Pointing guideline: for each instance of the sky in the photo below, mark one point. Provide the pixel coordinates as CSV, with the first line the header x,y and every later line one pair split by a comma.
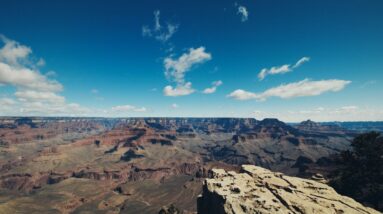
x,y
286,59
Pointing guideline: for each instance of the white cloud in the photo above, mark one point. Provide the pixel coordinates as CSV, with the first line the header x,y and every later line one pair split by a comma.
x,y
240,94
320,109
320,114
26,78
94,91
170,31
50,74
45,109
297,89
158,31
128,108
12,52
274,70
301,61
174,106
146,31
281,69
214,87
349,108
180,90
7,101
35,96
243,12
175,70
157,25
7,106
14,69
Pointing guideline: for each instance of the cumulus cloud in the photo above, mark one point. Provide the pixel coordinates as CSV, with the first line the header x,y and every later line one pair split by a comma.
x,y
158,32
128,108
302,88
179,90
12,52
24,77
242,11
214,87
240,94
281,69
36,93
15,69
175,70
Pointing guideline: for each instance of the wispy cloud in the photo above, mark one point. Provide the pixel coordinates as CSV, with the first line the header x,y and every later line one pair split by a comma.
x,y
128,108
214,87
321,114
158,32
301,61
242,11
297,89
174,106
368,83
175,70
41,62
281,69
157,25
274,70
349,108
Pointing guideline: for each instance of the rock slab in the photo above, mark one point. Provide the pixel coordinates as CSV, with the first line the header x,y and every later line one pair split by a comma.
x,y
258,190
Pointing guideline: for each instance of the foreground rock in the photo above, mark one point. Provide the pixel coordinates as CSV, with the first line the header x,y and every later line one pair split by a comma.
x,y
258,190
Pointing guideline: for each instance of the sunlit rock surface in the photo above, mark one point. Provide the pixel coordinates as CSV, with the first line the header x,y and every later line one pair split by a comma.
x,y
258,190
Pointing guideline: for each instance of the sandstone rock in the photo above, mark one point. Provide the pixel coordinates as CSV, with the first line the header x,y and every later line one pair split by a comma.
x,y
258,190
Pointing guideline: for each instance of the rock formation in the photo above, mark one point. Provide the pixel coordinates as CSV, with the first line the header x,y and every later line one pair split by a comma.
x,y
137,165
258,190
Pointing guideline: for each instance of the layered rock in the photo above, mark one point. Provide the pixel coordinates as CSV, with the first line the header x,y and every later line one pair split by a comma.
x,y
258,190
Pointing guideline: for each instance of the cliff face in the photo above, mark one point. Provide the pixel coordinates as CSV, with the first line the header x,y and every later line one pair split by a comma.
x,y
258,190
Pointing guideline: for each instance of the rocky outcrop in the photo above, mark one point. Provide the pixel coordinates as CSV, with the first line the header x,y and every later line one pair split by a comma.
x,y
258,190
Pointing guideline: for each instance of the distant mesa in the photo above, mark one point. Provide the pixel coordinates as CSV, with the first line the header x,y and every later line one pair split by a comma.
x,y
271,122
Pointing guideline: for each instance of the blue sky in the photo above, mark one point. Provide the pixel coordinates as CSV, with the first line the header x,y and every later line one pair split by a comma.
x,y
193,58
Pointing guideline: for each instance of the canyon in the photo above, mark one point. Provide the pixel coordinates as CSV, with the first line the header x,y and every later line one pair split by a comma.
x,y
138,165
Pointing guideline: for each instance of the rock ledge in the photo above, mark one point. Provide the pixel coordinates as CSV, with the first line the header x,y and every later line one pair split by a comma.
x,y
258,190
